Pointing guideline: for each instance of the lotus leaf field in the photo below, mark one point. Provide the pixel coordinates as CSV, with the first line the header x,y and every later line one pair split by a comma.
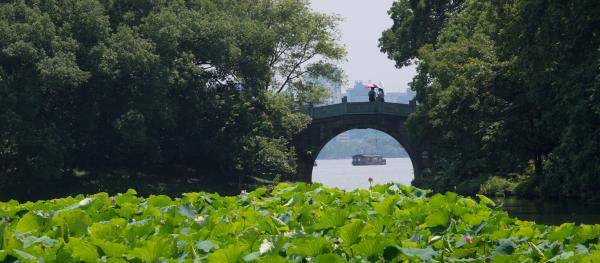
x,y
289,223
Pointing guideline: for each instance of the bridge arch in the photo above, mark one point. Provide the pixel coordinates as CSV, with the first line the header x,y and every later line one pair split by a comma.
x,y
332,120
372,142
396,136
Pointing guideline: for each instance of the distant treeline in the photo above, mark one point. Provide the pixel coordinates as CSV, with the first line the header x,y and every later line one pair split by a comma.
x,y
507,88
362,142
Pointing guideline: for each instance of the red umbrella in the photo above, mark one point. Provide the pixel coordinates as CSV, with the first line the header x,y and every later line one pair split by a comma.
x,y
370,85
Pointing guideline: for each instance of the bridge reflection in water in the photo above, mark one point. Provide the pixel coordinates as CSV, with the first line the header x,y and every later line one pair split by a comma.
x,y
330,120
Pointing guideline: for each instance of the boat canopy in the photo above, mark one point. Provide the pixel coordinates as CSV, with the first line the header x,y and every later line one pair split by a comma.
x,y
366,156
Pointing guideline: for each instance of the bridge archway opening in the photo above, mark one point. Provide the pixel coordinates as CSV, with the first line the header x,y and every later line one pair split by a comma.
x,y
334,166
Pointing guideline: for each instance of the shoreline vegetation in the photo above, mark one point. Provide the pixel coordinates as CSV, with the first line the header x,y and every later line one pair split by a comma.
x,y
287,222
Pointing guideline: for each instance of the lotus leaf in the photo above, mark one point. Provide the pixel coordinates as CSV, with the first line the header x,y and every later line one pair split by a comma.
x,y
293,222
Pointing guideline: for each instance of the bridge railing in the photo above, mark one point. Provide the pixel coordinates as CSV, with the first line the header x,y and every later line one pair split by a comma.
x,y
357,108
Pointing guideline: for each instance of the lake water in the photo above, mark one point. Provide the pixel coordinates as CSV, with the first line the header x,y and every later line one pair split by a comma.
x,y
342,174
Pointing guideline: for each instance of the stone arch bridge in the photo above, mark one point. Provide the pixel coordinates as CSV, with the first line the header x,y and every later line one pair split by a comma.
x,y
331,120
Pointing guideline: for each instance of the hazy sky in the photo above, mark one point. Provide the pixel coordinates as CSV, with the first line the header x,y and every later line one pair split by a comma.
x,y
362,26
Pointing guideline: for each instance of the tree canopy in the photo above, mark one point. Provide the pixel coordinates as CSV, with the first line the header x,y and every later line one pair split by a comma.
x,y
504,87
96,87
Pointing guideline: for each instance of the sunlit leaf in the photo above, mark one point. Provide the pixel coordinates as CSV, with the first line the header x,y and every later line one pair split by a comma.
x,y
437,218
350,232
82,250
153,250
231,254
329,258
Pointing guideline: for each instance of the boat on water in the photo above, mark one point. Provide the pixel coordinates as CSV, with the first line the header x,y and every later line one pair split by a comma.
x,y
363,159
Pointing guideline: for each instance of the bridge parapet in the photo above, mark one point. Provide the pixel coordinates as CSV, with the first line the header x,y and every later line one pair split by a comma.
x,y
358,108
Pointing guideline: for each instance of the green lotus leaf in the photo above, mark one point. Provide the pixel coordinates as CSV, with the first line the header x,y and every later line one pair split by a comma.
x,y
477,218
188,211
526,230
424,254
108,248
76,220
127,210
206,245
486,201
438,218
127,198
273,259
251,257
82,250
329,258
108,230
368,247
350,233
138,229
562,257
159,200
34,240
309,247
230,254
3,226
292,223
387,206
331,218
32,222
153,250
562,232
588,232
505,247
24,256
592,257
438,200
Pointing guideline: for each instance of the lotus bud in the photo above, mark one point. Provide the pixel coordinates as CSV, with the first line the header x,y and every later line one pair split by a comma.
x,y
467,239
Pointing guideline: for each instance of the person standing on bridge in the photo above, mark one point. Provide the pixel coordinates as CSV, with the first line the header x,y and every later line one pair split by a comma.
x,y
380,95
372,94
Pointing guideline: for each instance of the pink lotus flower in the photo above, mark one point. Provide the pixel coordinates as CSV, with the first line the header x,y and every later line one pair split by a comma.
x,y
467,239
113,201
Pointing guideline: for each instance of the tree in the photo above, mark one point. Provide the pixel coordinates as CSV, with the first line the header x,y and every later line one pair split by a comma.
x,y
504,87
306,44
152,90
558,49
416,23
462,107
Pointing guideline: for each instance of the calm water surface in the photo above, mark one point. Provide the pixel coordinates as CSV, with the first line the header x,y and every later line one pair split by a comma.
x,y
554,212
341,174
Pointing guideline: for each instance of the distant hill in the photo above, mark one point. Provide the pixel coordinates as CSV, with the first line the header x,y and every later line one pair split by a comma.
x,y
363,141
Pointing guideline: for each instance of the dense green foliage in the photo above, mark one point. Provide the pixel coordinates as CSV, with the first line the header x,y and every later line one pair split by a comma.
x,y
291,223
100,91
504,87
